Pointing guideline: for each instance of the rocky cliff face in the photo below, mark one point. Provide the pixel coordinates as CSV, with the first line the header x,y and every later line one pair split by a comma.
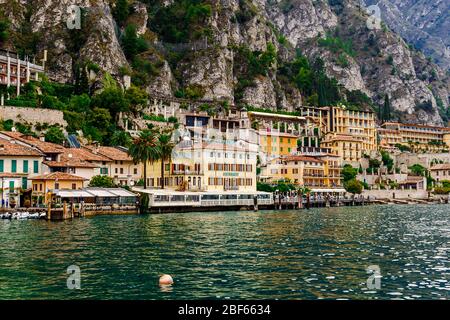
x,y
423,23
219,65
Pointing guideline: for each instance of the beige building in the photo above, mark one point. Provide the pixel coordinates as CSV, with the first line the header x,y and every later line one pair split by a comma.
x,y
415,136
348,148
45,185
207,167
20,160
348,133
358,124
323,172
121,166
440,172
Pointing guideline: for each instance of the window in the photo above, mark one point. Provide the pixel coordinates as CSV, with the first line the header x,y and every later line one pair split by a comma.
x,y
35,166
57,186
11,186
24,183
121,170
2,166
40,186
74,186
135,171
13,165
104,171
116,170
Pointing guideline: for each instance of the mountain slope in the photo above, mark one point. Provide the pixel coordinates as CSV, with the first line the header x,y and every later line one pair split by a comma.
x,y
241,51
423,23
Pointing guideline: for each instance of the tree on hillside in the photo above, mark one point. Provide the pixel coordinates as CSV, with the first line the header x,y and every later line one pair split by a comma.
x,y
121,138
386,109
54,135
349,173
121,12
165,146
387,160
112,99
132,44
4,26
145,149
418,170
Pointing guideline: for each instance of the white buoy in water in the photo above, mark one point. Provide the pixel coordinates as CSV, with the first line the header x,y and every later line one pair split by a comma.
x,y
165,280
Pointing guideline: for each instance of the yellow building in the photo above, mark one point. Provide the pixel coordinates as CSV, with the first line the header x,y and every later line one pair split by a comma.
x,y
416,136
274,144
44,185
347,147
207,167
348,133
358,124
321,172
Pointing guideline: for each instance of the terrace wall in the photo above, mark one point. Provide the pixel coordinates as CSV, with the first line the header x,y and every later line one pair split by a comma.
x,y
33,115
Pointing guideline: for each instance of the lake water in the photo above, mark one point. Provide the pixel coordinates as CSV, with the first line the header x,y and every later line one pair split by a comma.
x,y
308,254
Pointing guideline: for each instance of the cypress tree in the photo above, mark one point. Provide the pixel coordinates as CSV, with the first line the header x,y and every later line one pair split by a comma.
x,y
121,12
386,109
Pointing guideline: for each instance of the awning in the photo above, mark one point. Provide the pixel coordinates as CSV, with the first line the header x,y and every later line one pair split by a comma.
x,y
73,194
329,190
101,193
122,192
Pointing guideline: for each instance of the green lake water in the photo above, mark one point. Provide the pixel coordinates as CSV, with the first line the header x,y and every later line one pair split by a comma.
x,y
307,254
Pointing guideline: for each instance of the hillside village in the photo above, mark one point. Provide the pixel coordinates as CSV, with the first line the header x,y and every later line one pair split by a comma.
x,y
184,146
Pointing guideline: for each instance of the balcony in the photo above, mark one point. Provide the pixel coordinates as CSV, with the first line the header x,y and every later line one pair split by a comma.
x,y
231,188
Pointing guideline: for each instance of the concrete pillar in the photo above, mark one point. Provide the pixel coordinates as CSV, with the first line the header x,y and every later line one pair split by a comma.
x,y
28,71
18,75
8,72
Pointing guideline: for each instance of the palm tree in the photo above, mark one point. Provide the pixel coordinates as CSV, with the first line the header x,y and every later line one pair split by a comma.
x,y
165,146
145,149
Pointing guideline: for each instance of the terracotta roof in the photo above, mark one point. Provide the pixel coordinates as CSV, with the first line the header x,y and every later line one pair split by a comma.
x,y
71,164
81,154
111,152
341,137
12,175
59,176
402,125
442,166
45,147
10,148
412,179
213,146
301,158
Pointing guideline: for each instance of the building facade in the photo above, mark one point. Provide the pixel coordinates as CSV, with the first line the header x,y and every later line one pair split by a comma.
x,y
415,136
304,171
15,71
207,167
45,185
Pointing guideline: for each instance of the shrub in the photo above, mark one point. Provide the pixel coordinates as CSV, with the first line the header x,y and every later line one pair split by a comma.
x,y
54,135
353,186
102,182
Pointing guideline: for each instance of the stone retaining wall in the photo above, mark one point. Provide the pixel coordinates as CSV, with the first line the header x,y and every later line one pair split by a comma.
x,y
399,194
33,116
